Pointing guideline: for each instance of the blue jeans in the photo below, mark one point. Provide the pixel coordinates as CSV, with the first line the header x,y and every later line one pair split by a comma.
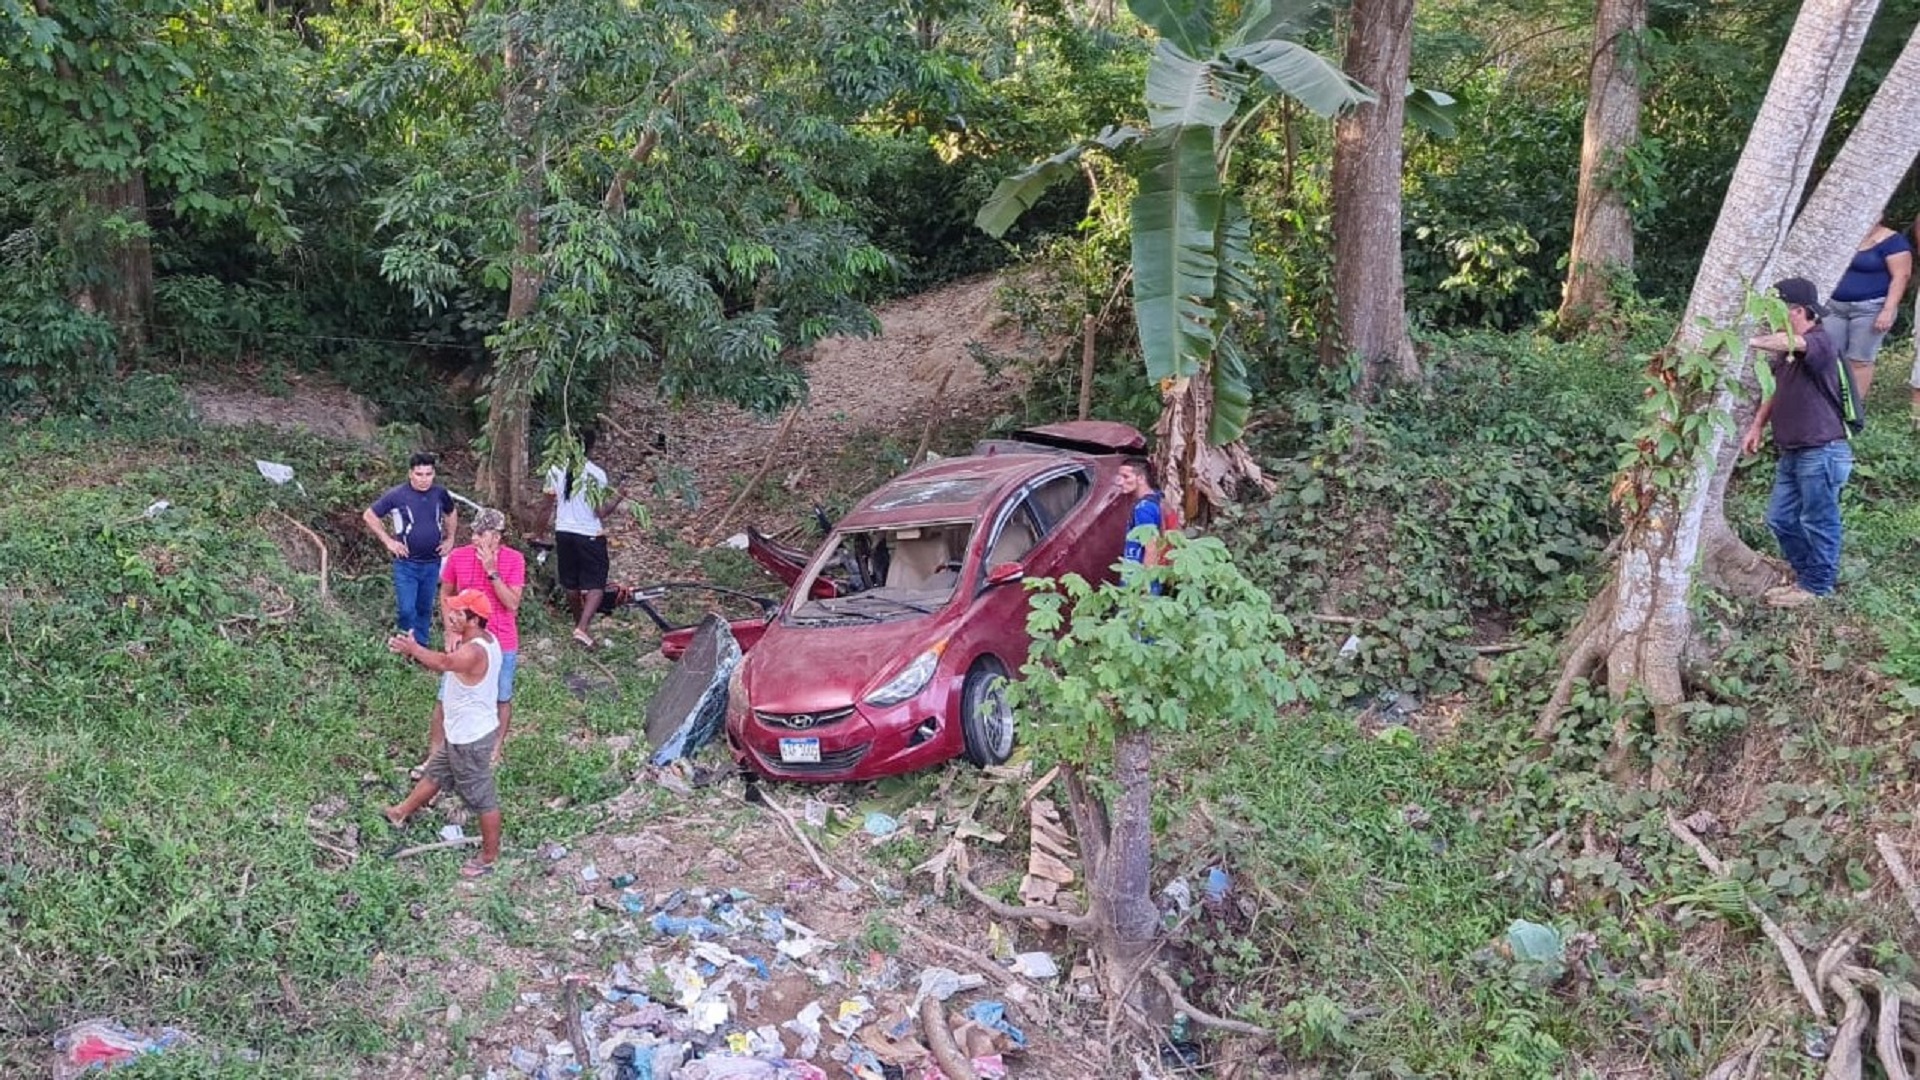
x,y
416,583
1805,512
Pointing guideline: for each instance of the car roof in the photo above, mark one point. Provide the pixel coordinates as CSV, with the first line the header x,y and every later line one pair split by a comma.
x,y
953,488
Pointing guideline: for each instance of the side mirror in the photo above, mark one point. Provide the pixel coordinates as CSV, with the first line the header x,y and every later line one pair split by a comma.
x,y
1002,573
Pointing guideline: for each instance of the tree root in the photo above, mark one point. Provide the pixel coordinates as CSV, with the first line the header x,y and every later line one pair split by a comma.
x,y
1789,952
933,1020
1586,649
1200,1016
1066,920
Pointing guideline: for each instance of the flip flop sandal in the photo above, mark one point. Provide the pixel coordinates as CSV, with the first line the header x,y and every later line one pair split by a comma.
x,y
473,868
583,640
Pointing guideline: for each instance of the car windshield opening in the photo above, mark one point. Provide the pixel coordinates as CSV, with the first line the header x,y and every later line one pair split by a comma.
x,y
894,572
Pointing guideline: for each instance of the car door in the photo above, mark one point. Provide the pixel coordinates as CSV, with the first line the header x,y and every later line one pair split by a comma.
x,y
1027,530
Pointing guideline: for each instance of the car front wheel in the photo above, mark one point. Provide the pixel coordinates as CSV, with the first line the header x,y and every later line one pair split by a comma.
x,y
986,717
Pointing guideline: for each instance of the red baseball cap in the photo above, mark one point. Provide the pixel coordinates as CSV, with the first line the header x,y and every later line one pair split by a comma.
x,y
472,601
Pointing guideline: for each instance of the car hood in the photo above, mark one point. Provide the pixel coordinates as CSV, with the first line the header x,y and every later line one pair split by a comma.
x,y
813,668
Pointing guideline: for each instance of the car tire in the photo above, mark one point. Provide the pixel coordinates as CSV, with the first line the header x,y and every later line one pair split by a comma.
x,y
986,719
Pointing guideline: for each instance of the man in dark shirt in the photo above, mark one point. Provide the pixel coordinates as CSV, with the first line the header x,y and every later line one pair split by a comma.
x,y
1810,434
415,522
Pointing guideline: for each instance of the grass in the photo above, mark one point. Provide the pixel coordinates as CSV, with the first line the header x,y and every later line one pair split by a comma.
x,y
166,734
182,717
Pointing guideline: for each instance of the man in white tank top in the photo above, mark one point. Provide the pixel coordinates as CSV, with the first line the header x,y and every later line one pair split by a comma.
x,y
466,724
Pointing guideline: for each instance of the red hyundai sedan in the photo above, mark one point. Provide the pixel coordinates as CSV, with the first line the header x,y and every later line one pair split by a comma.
x,y
892,649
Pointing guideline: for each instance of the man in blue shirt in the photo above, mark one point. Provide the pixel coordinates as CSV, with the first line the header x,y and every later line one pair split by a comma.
x,y
1136,482
415,522
1810,433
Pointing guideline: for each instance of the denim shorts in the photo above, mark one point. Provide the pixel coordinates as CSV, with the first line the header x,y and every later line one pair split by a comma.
x,y
1850,324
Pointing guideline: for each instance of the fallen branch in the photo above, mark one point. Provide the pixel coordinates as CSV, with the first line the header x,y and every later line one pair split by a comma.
x,y
793,827
1789,952
933,1020
1897,866
576,1031
350,856
317,542
759,474
1200,1016
1886,1041
441,845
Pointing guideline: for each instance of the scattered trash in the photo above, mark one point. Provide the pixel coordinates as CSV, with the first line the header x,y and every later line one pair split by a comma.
x,y
1035,965
1217,885
556,851
156,508
452,832
589,872
274,471
683,1001
1350,648
1179,897
993,1016
103,1044
816,813
881,825
942,983
1532,941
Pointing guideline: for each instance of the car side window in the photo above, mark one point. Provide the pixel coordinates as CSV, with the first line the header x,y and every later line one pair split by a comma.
x,y
1018,533
1055,499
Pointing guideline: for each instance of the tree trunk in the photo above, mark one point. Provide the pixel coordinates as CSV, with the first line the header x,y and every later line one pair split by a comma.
x,y
1862,177
1638,627
1602,229
504,468
1368,283
1124,893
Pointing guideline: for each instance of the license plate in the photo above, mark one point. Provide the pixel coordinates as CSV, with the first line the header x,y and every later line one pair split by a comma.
x,y
800,751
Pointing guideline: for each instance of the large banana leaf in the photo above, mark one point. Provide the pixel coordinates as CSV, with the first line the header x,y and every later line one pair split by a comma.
x,y
1176,213
1183,90
1186,23
1290,68
1015,194
1232,395
1432,111
1261,19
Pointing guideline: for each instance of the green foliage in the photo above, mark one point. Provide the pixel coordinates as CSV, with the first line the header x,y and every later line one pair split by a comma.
x,y
1191,257
1472,511
182,718
1209,652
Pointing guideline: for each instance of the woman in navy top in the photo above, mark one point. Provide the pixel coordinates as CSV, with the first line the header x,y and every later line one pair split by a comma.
x,y
1867,300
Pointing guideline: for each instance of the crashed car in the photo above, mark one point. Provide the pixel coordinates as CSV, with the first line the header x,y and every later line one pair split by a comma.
x,y
892,649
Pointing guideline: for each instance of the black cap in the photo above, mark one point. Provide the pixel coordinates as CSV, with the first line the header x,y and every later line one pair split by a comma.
x,y
1799,292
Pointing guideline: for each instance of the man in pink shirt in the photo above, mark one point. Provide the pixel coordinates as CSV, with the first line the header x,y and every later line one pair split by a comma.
x,y
499,573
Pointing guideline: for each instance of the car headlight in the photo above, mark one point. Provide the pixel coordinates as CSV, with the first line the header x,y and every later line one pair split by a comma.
x,y
911,680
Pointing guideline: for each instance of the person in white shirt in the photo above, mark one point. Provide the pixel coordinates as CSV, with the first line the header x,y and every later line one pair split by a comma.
x,y
576,503
466,720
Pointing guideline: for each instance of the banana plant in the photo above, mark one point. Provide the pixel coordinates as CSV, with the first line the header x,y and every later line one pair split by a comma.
x,y
1191,250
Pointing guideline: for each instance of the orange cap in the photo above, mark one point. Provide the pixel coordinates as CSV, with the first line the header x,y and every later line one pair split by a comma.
x,y
472,601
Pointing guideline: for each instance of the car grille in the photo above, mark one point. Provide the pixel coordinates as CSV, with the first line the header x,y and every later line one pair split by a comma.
x,y
830,760
803,721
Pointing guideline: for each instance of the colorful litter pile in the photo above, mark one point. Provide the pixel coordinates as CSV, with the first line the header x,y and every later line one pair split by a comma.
x,y
723,986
